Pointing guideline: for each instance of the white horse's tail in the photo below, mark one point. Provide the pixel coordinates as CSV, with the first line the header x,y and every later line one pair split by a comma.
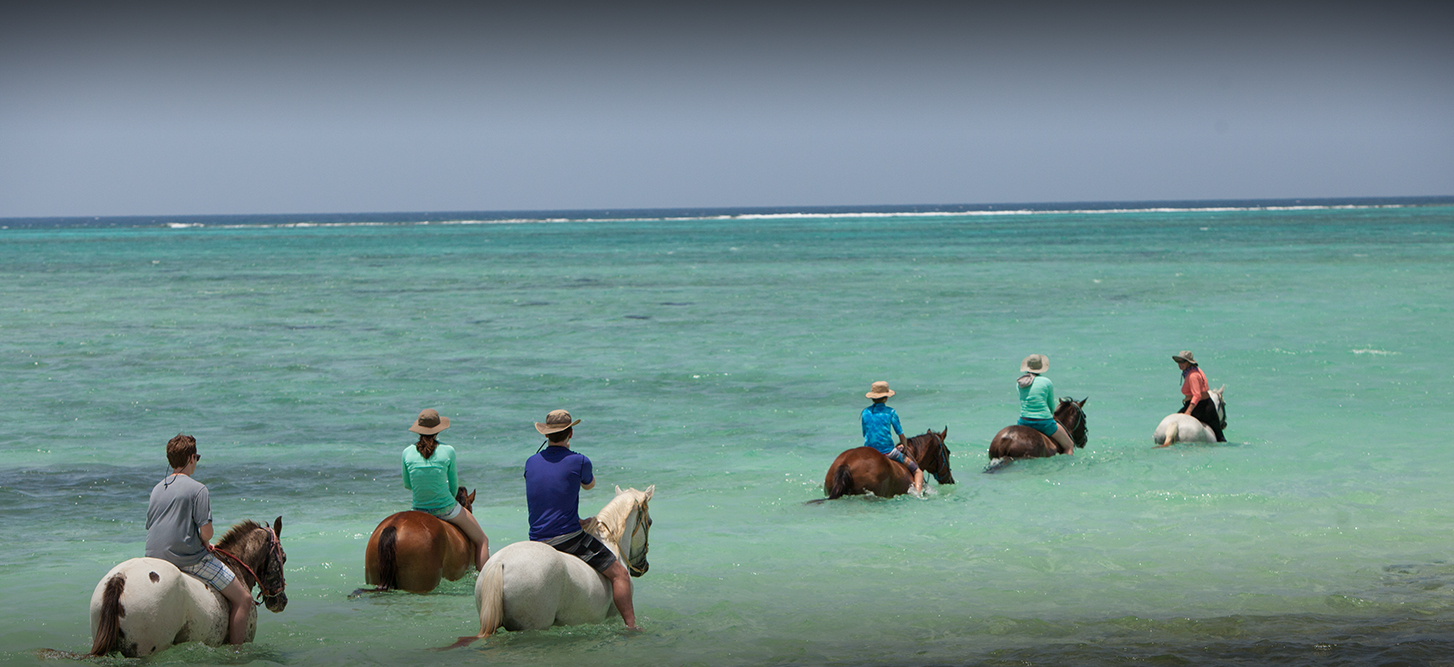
x,y
1171,430
490,598
108,627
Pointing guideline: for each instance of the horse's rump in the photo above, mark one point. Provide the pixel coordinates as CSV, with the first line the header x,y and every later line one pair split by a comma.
x,y
866,470
106,635
154,605
1018,442
413,550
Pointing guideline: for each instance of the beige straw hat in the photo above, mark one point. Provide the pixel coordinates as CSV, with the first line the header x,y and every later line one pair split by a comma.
x,y
1035,363
555,422
429,422
1184,355
879,389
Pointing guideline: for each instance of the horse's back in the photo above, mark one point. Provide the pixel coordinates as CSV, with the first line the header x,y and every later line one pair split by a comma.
x,y
542,587
163,606
1018,442
1188,429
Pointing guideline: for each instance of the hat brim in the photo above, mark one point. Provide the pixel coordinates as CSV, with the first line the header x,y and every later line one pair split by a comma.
x,y
547,429
1025,368
1179,359
430,430
874,394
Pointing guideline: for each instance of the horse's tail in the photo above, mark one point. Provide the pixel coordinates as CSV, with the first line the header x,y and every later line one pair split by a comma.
x,y
998,464
388,559
490,598
842,482
1171,430
108,629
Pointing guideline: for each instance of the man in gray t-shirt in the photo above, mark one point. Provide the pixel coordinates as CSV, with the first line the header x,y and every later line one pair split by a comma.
x,y
179,531
178,510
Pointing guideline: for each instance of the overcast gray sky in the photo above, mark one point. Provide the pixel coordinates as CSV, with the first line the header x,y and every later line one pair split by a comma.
x,y
137,109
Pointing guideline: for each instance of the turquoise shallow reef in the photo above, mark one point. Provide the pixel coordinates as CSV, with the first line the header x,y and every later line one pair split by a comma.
x,y
724,359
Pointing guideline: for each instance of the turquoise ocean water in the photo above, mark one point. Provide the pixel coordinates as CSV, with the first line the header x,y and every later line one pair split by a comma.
x,y
724,359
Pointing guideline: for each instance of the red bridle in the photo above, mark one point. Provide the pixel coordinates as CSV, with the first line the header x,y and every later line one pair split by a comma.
x,y
275,546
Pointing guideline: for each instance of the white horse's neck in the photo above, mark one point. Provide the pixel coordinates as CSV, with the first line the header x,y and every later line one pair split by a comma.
x,y
612,520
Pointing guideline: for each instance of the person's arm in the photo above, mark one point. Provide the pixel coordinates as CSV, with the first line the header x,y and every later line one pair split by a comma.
x,y
405,465
587,473
453,474
1196,388
206,532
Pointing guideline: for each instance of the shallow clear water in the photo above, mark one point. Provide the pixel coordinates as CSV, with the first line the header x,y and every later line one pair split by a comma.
x,y
725,361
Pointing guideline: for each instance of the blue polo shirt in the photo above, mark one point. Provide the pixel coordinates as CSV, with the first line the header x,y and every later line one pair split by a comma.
x,y
553,480
878,420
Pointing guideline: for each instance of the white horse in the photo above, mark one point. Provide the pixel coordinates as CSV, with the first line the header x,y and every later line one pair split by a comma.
x,y
1180,427
145,605
531,586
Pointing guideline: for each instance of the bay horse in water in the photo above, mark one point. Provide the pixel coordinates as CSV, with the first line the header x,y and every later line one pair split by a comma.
x,y
1023,442
145,605
866,470
413,550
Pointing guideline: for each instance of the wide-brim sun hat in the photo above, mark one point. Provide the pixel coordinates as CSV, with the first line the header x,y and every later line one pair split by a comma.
x,y
1035,363
429,422
1184,355
879,389
555,422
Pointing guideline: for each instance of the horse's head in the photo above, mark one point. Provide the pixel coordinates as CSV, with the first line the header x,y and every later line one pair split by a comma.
x,y
633,532
1071,415
1219,399
466,500
259,550
932,454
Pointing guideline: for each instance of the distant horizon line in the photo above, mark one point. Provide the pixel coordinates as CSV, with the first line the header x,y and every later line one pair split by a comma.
x,y
717,212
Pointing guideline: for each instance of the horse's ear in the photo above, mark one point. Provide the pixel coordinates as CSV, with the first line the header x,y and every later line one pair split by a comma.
x,y
618,490
649,490
471,497
1221,390
1082,402
278,526
945,433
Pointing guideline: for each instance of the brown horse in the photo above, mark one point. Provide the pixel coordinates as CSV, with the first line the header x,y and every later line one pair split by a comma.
x,y
1023,442
413,550
866,470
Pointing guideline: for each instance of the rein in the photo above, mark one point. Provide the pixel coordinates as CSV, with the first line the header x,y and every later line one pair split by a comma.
x,y
263,591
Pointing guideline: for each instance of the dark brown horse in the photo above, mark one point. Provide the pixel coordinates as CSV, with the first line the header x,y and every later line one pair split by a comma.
x,y
865,470
1023,442
413,550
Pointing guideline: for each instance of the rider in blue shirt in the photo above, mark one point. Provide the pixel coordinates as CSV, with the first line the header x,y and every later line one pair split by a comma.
x,y
880,423
554,478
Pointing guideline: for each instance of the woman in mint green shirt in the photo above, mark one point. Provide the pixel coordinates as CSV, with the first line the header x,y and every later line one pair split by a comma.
x,y
1037,400
430,473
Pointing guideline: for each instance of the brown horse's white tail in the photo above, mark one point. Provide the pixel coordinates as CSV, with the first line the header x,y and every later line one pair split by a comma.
x,y
490,597
842,482
108,629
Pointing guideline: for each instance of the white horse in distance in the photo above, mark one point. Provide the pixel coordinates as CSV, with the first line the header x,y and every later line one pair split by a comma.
x,y
1178,427
531,586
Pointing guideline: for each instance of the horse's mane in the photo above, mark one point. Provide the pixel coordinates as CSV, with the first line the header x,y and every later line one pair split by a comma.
x,y
237,533
611,521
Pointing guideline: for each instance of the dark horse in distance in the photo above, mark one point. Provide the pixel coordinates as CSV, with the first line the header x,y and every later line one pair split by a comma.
x,y
865,470
1023,442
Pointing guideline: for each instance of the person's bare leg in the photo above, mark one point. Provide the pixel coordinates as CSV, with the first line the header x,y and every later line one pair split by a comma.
x,y
1063,441
472,530
621,593
240,599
